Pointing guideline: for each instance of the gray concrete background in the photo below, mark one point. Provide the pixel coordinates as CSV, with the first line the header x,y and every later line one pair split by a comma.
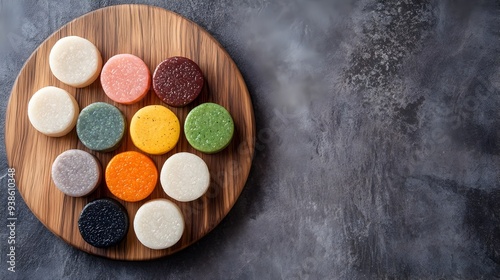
x,y
378,142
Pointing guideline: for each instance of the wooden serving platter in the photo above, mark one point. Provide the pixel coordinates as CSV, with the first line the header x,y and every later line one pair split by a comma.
x,y
152,34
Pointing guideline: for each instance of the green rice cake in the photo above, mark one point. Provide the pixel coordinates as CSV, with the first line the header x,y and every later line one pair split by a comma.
x,y
209,128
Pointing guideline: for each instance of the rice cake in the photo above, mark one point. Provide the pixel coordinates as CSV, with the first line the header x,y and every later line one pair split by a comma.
x,y
75,61
53,111
101,127
76,173
209,128
185,177
159,224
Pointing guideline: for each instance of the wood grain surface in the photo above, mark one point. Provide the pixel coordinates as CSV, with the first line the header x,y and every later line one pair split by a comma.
x,y
152,34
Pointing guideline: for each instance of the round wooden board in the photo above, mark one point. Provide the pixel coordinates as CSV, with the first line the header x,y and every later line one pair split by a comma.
x,y
152,34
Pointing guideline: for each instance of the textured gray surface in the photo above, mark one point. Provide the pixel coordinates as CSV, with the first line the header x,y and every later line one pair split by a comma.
x,y
378,142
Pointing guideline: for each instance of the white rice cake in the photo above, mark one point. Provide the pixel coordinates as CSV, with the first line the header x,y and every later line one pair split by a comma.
x,y
75,61
185,177
53,111
159,224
